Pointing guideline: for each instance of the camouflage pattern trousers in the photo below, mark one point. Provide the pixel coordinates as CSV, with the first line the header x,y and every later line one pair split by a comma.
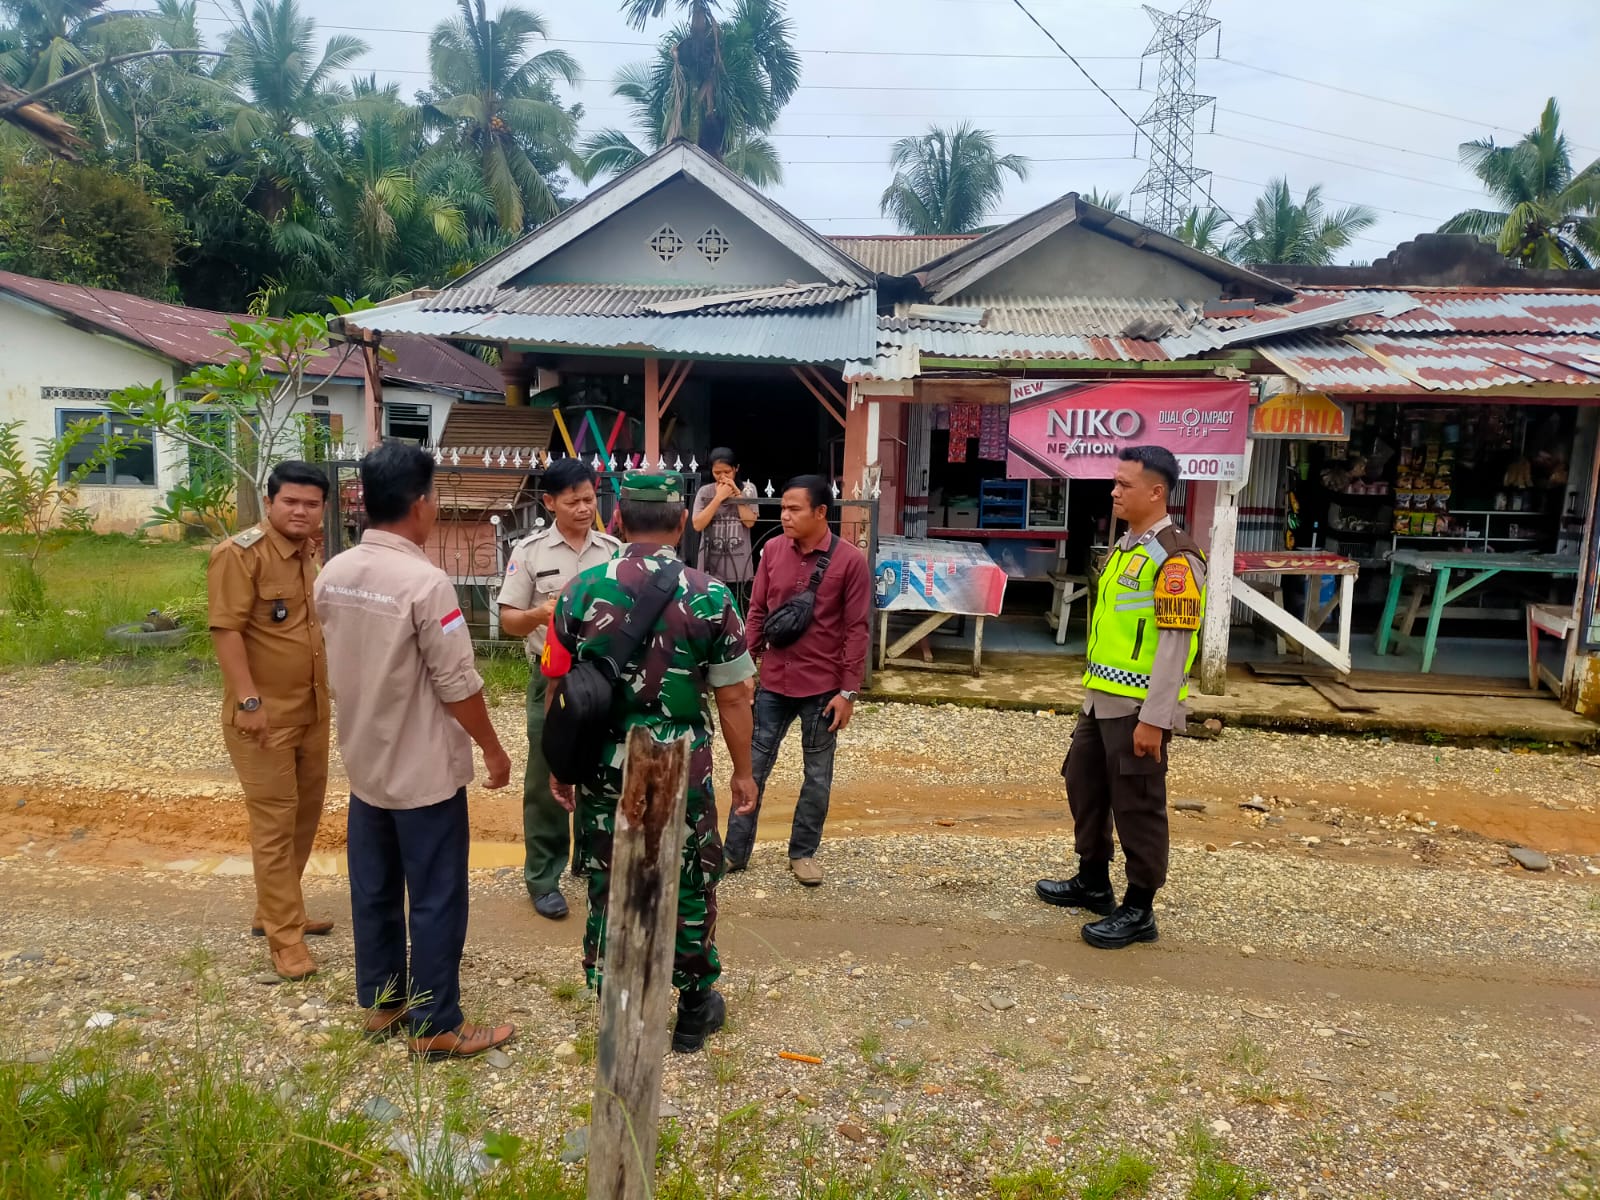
x,y
695,964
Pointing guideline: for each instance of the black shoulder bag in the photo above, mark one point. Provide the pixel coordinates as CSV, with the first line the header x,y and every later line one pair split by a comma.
x,y
786,623
581,718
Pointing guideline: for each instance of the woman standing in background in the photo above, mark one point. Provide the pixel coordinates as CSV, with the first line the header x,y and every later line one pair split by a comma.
x,y
724,526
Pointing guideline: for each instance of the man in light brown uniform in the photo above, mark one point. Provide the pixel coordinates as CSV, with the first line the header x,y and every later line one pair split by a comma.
x,y
275,698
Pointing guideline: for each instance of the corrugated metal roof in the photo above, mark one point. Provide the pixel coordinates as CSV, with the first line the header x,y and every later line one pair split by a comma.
x,y
627,300
832,334
1402,363
471,429
1466,310
1052,315
900,254
187,335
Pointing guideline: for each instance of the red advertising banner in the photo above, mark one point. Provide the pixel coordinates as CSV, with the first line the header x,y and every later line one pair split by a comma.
x,y
1066,430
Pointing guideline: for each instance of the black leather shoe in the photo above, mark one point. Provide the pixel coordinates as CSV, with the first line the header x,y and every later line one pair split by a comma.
x,y
732,865
552,905
1122,928
700,1014
1070,893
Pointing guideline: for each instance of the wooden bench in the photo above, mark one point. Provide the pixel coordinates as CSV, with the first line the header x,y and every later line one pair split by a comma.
x,y
1558,623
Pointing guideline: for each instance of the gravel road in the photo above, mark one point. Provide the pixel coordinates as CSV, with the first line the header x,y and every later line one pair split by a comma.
x,y
1356,990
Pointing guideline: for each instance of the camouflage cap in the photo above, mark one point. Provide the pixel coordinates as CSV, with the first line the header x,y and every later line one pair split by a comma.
x,y
652,488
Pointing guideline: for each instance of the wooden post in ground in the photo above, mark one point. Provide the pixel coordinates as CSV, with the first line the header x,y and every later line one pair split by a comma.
x,y
641,929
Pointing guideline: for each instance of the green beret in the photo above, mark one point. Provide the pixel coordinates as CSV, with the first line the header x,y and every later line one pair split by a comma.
x,y
651,488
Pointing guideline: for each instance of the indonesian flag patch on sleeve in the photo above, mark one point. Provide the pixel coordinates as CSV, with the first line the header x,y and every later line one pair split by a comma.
x,y
1177,597
452,621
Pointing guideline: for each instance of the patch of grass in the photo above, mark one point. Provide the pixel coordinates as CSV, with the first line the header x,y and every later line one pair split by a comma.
x,y
1117,1175
568,990
1219,1179
1248,1055
585,1043
1418,1108
505,673
870,1044
1041,1183
93,582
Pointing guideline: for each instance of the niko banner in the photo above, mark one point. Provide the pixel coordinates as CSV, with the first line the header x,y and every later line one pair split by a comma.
x,y
1066,430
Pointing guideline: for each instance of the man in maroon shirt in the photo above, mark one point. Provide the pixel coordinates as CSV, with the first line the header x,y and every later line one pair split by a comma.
x,y
815,678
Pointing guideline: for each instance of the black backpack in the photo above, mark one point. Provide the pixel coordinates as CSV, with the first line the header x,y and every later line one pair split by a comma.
x,y
581,719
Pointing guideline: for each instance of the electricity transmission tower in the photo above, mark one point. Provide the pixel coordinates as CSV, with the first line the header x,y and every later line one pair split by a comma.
x,y
1168,186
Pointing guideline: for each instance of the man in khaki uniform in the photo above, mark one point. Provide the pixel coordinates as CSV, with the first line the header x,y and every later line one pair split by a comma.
x,y
275,698
538,570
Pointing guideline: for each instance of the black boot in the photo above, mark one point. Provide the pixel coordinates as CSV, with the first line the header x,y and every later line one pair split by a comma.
x,y
1074,893
1129,924
700,1014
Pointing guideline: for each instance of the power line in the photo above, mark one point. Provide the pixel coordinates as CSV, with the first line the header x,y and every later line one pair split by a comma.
x,y
1345,136
1339,162
1333,87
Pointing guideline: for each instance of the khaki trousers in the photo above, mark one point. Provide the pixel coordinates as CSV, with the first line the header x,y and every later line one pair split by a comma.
x,y
284,784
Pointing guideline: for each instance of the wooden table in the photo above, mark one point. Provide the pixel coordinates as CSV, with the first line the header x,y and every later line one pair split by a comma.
x,y
1313,563
1482,567
937,581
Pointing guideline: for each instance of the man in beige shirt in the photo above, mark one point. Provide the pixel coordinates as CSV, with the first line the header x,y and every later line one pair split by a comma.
x,y
539,567
409,706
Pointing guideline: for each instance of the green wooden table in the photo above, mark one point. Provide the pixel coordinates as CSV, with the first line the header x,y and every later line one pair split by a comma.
x,y
1480,568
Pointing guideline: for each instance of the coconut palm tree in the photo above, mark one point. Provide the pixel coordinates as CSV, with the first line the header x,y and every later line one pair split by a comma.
x,y
285,86
42,40
498,95
948,180
1280,231
1202,229
760,74
1545,214
1110,201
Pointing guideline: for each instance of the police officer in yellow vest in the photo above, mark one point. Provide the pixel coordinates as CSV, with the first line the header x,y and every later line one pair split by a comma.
x,y
1144,632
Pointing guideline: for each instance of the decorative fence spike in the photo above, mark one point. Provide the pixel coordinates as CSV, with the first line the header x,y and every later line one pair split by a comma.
x,y
677,463
693,466
877,491
597,464
835,489
437,457
855,492
661,462
502,456
611,464
770,489
516,459
455,458
486,461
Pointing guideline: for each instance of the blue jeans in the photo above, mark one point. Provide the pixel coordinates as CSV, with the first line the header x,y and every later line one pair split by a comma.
x,y
421,852
774,714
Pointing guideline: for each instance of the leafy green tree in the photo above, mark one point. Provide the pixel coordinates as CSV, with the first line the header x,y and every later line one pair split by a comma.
x,y
497,96
285,86
1280,231
42,40
759,73
1545,213
948,180
1110,201
85,225
1202,229
251,396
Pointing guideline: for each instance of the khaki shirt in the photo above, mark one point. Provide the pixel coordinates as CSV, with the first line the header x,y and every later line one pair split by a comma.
x,y
252,576
542,564
399,651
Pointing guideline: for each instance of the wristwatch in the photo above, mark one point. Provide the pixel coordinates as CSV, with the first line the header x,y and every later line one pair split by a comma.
x,y
850,697
250,704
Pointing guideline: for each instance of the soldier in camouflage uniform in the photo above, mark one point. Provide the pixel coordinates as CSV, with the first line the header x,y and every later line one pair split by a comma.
x,y
698,642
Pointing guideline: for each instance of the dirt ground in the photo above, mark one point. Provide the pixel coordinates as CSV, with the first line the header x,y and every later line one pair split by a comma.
x,y
1357,990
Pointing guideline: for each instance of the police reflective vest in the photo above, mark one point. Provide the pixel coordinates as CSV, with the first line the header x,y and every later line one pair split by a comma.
x,y
1143,590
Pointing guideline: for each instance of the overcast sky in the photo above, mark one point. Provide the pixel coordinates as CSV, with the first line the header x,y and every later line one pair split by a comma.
x,y
875,70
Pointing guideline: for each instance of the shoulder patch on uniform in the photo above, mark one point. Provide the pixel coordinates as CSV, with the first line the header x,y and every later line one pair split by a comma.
x,y
1177,597
249,537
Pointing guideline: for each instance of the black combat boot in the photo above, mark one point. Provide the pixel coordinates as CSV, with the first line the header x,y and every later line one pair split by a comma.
x,y
1075,893
700,1014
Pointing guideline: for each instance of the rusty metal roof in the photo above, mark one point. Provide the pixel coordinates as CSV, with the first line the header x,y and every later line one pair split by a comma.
x,y
628,300
1465,310
188,336
900,254
1408,363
